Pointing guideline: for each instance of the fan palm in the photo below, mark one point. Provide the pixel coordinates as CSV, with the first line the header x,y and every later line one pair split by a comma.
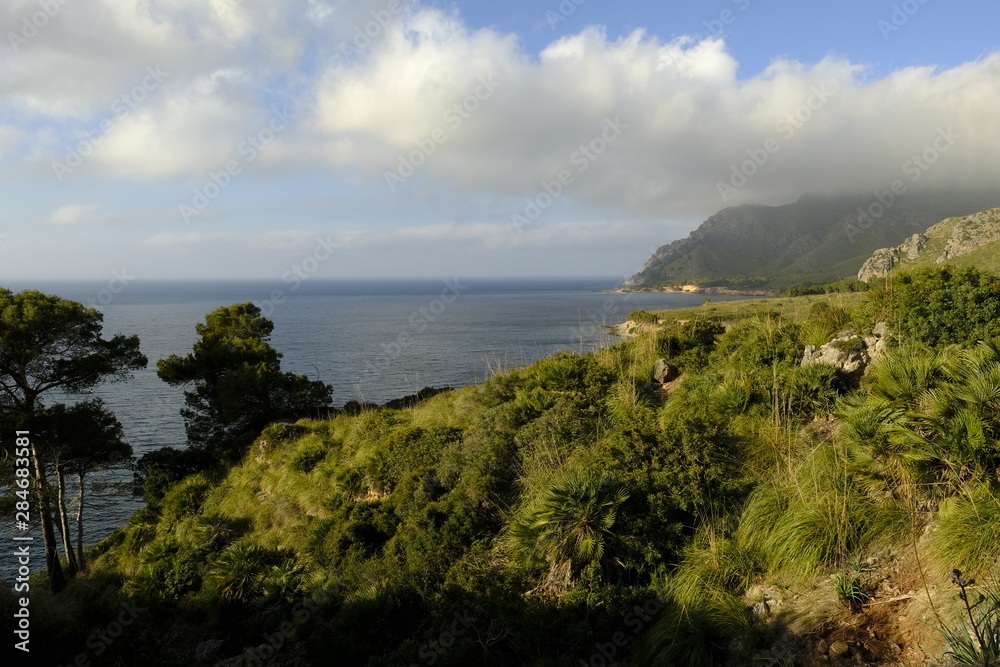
x,y
572,527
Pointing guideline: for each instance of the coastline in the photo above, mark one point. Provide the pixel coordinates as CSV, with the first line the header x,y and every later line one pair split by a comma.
x,y
695,289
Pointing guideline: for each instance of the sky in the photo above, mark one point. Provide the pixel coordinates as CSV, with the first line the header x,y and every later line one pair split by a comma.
x,y
161,139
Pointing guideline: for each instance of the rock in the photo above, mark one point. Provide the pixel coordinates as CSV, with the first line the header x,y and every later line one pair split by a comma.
x,y
879,264
822,647
848,351
664,371
957,236
761,610
208,649
838,648
880,330
912,246
969,233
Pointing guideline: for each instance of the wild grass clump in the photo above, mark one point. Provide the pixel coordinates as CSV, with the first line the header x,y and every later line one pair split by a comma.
x,y
968,531
815,518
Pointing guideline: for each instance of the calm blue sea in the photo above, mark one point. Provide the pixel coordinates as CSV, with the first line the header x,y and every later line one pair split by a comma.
x,y
372,340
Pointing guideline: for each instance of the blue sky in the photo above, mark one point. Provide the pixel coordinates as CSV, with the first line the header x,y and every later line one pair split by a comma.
x,y
238,138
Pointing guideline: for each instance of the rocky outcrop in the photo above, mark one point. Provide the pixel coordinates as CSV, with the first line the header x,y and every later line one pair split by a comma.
x,y
884,260
848,351
750,247
940,244
664,371
879,264
971,232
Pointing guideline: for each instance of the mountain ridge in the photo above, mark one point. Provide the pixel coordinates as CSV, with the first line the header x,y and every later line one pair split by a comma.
x,y
970,240
816,239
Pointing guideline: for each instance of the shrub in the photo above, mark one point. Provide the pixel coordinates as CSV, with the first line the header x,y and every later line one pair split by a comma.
x,y
938,306
643,317
309,458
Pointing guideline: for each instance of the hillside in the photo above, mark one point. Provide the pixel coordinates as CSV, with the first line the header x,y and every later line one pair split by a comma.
x,y
972,240
814,240
575,511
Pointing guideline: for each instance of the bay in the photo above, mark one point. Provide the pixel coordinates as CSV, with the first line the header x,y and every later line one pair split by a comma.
x,y
372,340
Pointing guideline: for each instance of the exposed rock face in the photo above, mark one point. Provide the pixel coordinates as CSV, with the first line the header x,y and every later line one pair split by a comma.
x,y
777,245
941,243
971,232
848,351
912,246
664,371
879,264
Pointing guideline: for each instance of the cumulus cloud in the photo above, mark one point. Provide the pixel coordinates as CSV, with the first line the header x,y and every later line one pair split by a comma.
x,y
470,112
74,214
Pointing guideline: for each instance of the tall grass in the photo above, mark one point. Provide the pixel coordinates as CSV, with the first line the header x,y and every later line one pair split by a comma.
x,y
818,517
968,532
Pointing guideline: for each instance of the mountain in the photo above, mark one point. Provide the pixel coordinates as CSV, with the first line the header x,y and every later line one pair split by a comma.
x,y
972,240
813,240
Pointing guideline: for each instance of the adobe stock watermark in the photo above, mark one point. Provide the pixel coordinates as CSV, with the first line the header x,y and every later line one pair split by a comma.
x,y
33,24
300,272
247,150
900,16
635,621
786,127
121,107
454,117
431,651
101,640
264,654
565,9
419,321
581,159
366,34
918,165
116,285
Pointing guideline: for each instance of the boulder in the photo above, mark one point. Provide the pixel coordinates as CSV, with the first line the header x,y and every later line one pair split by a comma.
x,y
848,351
664,371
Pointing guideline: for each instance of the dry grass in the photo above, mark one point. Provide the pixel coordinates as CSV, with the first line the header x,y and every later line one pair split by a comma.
x,y
795,308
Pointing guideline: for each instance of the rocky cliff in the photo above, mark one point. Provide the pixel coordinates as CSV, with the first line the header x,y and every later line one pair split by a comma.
x,y
971,240
814,240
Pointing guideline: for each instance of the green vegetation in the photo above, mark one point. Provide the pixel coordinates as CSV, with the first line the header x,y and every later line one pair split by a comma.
x,y
642,317
939,306
570,509
238,384
814,240
977,643
51,346
849,285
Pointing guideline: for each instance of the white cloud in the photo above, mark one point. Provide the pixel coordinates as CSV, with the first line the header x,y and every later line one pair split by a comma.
x,y
10,137
73,214
691,120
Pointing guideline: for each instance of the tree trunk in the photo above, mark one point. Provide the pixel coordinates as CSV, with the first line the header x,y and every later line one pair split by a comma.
x,y
79,528
64,531
57,580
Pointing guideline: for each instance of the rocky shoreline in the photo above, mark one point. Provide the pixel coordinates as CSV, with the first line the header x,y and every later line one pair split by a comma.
x,y
695,289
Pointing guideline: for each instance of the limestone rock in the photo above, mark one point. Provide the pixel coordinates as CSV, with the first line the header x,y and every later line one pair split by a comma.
x,y
912,246
949,238
664,371
971,232
848,351
879,264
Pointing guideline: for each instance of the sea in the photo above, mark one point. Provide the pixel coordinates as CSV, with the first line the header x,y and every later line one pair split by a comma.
x,y
372,340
